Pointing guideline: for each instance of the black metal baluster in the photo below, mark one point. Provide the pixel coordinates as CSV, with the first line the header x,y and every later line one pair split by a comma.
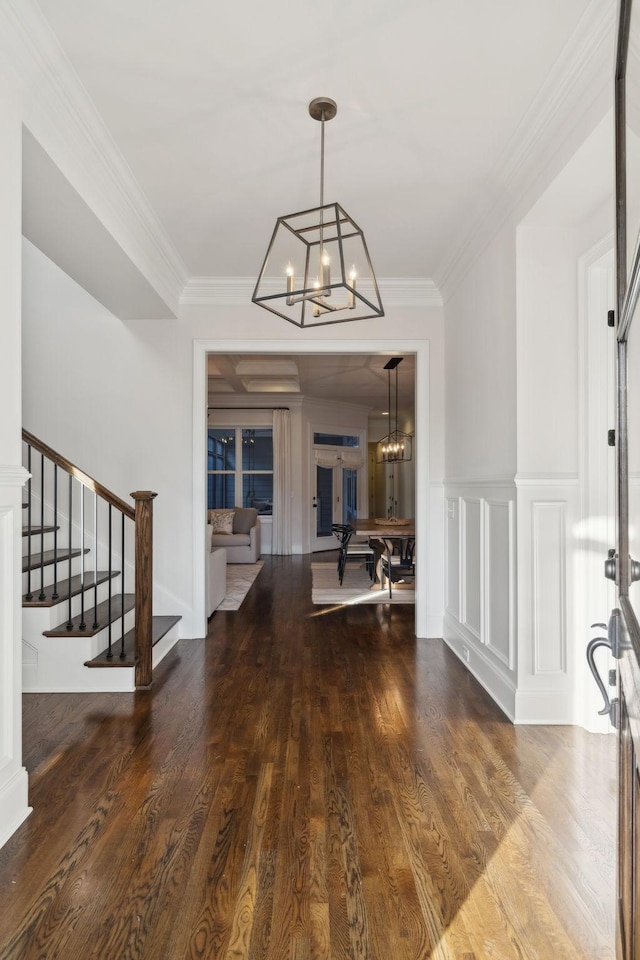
x,y
110,651
122,654
70,534
29,594
83,623
42,595
55,594
95,561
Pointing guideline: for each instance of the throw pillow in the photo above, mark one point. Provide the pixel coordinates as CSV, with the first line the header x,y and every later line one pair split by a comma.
x,y
222,522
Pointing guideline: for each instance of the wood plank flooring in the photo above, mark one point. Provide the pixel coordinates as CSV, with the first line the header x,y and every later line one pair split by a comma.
x,y
306,783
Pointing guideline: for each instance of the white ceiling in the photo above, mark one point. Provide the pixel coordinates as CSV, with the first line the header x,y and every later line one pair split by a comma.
x,y
207,101
439,101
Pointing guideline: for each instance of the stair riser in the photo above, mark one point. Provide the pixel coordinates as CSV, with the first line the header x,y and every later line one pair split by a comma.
x,y
56,664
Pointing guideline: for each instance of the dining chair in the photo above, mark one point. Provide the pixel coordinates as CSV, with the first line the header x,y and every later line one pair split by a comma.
x,y
361,552
397,562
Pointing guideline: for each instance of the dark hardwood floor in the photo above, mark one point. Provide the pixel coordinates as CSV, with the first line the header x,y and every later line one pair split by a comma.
x,y
306,783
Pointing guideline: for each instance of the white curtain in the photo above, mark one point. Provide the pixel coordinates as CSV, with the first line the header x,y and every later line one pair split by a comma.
x,y
326,458
281,529
352,458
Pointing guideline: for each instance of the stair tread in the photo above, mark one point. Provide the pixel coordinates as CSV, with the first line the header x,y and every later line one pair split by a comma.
x,y
160,626
77,584
101,617
50,556
37,530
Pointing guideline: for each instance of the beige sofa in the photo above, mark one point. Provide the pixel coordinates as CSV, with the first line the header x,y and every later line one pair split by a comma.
x,y
216,578
238,531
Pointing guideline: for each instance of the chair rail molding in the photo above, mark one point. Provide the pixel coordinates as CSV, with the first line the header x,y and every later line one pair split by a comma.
x,y
506,482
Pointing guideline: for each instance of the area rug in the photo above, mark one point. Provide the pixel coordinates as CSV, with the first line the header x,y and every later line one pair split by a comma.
x,y
356,586
240,579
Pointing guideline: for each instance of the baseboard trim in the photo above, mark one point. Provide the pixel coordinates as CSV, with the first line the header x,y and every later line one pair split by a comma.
x,y
500,688
14,806
539,707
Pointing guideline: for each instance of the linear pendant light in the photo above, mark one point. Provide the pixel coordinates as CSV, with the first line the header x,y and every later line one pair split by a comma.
x,y
317,268
396,446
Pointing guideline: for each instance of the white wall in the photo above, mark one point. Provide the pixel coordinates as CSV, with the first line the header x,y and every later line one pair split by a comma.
x,y
480,372
481,443
516,430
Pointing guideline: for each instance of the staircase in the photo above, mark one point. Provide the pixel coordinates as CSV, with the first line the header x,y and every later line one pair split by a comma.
x,y
87,620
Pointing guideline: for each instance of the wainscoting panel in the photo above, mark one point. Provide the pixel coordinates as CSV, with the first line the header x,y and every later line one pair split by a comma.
x,y
472,573
499,580
549,587
480,589
453,557
552,621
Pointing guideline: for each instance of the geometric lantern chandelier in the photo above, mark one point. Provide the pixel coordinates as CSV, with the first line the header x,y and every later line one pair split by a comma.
x,y
396,446
317,268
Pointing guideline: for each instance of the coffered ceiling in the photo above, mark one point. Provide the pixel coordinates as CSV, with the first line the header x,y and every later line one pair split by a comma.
x,y
345,378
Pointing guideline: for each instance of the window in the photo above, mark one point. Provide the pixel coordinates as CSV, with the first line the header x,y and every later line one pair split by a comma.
x,y
240,468
335,440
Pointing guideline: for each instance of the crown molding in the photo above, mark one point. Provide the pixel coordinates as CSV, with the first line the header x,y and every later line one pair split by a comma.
x,y
35,52
581,76
228,291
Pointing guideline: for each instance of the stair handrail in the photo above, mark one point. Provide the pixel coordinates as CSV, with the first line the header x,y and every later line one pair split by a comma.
x,y
142,517
79,474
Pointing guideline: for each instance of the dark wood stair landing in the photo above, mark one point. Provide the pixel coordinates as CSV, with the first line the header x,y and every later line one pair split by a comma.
x,y
98,615
160,626
78,583
62,554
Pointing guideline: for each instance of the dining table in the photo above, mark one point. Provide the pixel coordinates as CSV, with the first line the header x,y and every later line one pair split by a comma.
x,y
401,528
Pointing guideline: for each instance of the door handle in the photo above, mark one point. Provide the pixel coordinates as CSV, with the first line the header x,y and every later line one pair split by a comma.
x,y
610,707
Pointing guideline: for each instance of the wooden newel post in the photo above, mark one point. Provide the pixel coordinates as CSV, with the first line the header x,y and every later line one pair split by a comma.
x,y
144,585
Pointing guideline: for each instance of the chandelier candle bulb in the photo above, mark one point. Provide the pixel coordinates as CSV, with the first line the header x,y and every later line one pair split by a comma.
x,y
351,297
316,308
325,274
291,284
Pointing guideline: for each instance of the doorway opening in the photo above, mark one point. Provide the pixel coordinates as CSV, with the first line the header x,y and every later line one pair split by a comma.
x,y
424,513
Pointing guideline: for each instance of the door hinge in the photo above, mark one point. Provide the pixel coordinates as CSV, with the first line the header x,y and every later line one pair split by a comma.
x,y
614,713
611,438
611,318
